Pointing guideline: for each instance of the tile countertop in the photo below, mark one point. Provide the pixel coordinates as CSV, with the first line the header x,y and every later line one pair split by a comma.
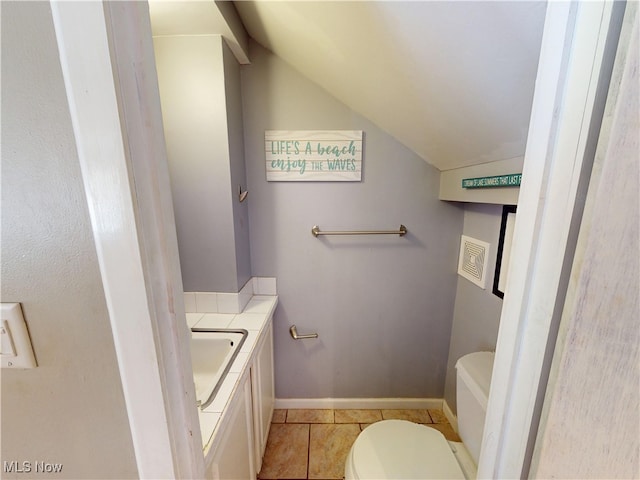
x,y
254,318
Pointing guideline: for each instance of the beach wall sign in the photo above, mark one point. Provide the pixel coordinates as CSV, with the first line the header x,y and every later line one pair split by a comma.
x,y
313,155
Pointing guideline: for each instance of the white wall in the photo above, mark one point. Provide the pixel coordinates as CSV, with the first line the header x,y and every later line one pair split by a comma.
x,y
382,306
70,409
476,315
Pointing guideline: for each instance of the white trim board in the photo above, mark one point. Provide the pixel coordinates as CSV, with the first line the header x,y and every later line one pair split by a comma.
x,y
567,107
453,419
119,151
95,115
359,403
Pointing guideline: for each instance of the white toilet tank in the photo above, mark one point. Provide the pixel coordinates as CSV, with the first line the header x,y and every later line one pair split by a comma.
x,y
473,380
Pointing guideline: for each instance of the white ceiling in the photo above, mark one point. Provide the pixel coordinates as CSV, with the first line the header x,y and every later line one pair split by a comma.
x,y
200,17
451,80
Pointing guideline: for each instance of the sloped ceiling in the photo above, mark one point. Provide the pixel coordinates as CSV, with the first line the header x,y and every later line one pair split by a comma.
x,y
451,80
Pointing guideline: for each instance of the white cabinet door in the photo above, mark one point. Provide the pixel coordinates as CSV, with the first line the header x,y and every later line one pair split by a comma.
x,y
234,456
262,384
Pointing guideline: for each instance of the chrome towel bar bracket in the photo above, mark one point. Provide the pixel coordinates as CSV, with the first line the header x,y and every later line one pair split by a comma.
x,y
294,334
402,231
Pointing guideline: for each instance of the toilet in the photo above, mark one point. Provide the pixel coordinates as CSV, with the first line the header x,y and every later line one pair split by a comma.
x,y
397,449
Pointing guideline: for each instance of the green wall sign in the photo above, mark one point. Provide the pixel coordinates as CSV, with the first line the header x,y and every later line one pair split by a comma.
x,y
511,180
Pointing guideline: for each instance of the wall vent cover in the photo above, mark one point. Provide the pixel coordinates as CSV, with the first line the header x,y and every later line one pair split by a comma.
x,y
474,256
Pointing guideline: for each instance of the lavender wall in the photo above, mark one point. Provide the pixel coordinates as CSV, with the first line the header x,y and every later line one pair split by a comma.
x,y
199,83
382,306
476,316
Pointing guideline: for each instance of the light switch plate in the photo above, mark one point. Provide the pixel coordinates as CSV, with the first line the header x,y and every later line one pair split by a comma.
x,y
17,351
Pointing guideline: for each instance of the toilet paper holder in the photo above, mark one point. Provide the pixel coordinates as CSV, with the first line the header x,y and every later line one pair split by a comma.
x,y
294,334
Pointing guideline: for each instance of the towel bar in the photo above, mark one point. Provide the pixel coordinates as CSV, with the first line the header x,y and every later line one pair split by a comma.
x,y
402,231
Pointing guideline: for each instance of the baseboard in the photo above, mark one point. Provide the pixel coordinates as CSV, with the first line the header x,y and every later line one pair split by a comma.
x,y
359,403
453,420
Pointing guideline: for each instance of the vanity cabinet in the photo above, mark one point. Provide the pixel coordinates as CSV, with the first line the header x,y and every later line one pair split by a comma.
x,y
263,390
233,456
240,442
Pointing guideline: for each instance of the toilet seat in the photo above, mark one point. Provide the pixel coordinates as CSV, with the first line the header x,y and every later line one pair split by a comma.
x,y
397,449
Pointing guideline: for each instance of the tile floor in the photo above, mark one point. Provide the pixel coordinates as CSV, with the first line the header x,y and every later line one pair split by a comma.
x,y
313,444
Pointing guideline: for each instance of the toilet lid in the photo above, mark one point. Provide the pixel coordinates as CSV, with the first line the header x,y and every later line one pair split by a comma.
x,y
397,449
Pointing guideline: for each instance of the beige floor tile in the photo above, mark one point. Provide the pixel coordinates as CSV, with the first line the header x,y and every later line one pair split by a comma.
x,y
357,416
279,416
287,452
437,416
413,415
309,416
447,430
329,446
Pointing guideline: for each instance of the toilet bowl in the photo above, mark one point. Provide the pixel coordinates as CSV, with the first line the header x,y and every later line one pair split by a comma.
x,y
398,449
